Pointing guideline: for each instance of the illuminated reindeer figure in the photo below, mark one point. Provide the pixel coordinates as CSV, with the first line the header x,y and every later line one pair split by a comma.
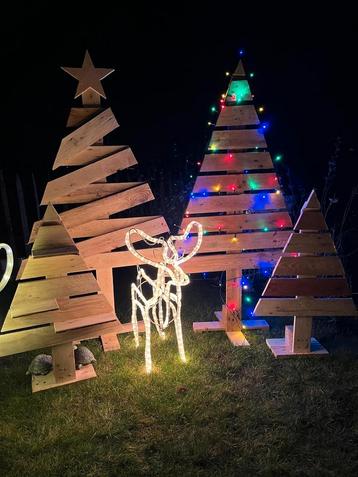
x,y
164,306
9,265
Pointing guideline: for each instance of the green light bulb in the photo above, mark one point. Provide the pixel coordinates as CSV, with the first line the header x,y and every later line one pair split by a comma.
x,y
251,75
278,157
248,299
265,229
213,109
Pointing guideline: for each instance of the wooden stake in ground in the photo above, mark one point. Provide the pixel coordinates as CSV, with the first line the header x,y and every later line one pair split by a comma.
x,y
237,199
308,281
91,198
57,302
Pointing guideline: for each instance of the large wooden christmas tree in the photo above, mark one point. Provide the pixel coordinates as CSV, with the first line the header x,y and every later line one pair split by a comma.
x,y
85,189
308,281
237,199
57,302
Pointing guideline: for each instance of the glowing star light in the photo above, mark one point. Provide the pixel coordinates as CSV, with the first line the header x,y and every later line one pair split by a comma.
x,y
164,304
9,265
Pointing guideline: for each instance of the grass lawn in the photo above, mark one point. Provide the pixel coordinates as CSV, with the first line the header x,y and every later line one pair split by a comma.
x,y
227,412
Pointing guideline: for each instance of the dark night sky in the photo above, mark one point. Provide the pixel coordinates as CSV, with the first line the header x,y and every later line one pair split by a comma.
x,y
170,68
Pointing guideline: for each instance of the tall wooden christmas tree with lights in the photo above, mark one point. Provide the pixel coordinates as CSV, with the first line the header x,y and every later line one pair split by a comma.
x,y
308,281
57,302
93,200
237,199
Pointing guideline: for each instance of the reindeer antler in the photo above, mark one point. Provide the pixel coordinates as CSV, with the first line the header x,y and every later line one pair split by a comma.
x,y
147,238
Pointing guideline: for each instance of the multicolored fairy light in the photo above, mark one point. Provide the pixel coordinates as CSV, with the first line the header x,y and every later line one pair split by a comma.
x,y
261,109
278,157
251,75
248,299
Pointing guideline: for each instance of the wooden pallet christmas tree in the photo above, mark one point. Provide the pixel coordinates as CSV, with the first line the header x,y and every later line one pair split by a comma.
x,y
85,188
308,281
237,199
57,302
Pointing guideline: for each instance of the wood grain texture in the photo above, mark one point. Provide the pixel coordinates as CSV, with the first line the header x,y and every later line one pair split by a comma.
x,y
42,383
238,242
235,203
308,266
305,306
236,162
242,222
80,178
93,153
280,287
50,266
84,136
63,357
238,116
107,206
79,115
105,226
307,242
198,264
280,350
310,220
53,240
301,334
110,241
237,139
236,182
95,191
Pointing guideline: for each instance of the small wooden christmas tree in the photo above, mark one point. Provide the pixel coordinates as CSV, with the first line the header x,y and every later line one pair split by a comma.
x,y
57,302
308,281
238,200
91,201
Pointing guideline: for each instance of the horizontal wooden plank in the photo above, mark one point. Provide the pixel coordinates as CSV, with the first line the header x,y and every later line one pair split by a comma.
x,y
305,307
238,116
50,266
236,182
237,139
28,340
236,242
105,226
112,240
50,239
107,206
311,220
309,265
203,263
278,287
69,183
235,203
310,243
242,222
79,115
74,309
84,136
236,162
20,308
95,191
94,153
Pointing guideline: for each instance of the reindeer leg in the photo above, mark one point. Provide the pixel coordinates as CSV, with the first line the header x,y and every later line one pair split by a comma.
x,y
147,353
178,327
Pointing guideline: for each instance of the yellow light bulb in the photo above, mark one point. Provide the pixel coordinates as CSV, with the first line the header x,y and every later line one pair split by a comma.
x,y
234,239
217,188
223,95
278,192
227,73
261,109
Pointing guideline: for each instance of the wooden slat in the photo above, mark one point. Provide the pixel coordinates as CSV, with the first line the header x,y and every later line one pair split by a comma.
x,y
107,206
112,240
93,307
28,340
80,178
312,202
236,162
236,182
93,153
243,222
95,191
84,136
312,266
280,350
79,115
305,306
105,226
238,116
279,287
51,239
237,139
198,264
20,308
50,266
238,242
235,203
64,368
311,220
307,242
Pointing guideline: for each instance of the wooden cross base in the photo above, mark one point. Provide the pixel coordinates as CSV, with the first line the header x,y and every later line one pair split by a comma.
x,y
110,342
236,337
255,325
283,348
41,383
